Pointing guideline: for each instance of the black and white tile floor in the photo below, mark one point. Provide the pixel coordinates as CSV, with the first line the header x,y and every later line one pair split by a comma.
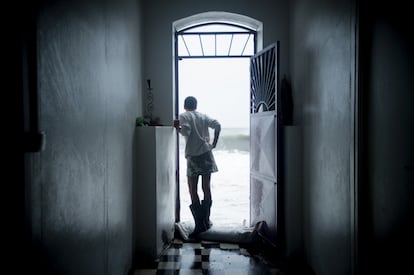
x,y
208,258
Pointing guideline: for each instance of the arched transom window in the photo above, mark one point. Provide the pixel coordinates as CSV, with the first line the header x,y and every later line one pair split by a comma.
x,y
212,40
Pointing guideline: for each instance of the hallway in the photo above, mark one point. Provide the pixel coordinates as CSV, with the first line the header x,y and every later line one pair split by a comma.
x,y
76,82
209,258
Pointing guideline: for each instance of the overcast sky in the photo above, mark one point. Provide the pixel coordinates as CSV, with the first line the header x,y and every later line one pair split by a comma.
x,y
221,86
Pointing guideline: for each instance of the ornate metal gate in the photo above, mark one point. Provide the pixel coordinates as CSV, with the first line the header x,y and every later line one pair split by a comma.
x,y
265,139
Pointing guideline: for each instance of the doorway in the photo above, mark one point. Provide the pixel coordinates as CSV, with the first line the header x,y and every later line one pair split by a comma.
x,y
212,64
224,95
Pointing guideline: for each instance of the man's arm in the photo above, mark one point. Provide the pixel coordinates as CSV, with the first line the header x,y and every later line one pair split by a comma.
x,y
177,124
217,130
182,126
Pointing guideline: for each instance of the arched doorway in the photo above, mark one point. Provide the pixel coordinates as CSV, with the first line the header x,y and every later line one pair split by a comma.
x,y
219,39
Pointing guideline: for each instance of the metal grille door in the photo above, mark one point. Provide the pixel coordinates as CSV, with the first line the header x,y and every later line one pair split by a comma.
x,y
264,137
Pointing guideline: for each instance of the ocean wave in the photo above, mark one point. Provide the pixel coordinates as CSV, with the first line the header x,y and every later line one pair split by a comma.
x,y
238,143
231,140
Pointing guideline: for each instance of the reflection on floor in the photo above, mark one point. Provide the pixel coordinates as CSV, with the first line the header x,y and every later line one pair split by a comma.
x,y
209,258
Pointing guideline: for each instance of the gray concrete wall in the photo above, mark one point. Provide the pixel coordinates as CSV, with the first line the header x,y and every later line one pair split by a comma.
x,y
80,186
387,159
322,80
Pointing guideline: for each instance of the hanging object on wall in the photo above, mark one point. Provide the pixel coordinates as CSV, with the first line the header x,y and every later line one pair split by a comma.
x,y
149,119
150,99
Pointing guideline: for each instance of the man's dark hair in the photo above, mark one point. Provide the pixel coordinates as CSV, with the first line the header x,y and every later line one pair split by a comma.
x,y
190,103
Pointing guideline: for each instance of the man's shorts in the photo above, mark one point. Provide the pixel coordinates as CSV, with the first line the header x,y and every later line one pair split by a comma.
x,y
201,165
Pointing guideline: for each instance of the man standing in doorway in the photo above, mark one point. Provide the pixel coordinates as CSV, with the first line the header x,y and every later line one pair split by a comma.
x,y
194,126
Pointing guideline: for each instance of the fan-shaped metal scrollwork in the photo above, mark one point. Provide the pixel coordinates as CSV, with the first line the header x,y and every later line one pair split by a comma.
x,y
263,85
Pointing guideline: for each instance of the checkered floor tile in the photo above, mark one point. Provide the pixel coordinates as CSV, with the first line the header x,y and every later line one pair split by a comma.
x,y
208,258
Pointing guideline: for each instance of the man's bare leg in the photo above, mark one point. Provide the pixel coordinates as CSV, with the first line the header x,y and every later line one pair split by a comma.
x,y
205,184
192,187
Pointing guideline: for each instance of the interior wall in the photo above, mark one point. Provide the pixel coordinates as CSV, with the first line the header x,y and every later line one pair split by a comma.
x,y
79,188
158,17
387,159
321,62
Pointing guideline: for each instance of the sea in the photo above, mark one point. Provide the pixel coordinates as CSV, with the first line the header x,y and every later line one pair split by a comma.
x,y
229,186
